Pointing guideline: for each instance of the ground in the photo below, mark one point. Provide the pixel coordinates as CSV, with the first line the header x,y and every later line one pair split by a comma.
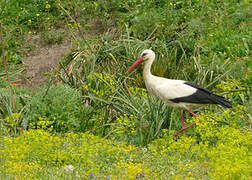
x,y
43,59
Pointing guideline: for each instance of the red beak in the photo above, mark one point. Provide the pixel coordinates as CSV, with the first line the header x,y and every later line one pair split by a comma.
x,y
139,61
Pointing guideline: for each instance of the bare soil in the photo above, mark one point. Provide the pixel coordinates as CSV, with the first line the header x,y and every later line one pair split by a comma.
x,y
45,57
42,60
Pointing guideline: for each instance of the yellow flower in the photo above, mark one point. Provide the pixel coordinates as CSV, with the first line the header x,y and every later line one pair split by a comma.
x,y
211,35
38,15
29,21
48,6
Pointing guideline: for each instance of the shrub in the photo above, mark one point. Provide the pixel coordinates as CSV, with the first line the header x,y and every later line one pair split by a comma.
x,y
61,105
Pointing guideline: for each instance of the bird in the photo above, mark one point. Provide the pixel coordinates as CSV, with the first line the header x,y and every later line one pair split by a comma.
x,y
179,94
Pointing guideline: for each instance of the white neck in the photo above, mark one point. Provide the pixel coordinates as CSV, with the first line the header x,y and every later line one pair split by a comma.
x,y
147,69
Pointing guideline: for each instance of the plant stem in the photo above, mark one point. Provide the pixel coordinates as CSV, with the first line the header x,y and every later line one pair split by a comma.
x,y
6,68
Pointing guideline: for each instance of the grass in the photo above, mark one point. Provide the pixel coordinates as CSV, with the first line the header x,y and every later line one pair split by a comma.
x,y
98,123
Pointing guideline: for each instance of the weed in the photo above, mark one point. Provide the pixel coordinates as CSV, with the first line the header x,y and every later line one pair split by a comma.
x,y
52,37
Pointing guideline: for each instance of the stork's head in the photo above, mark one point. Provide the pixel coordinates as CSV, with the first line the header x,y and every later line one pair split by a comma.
x,y
146,55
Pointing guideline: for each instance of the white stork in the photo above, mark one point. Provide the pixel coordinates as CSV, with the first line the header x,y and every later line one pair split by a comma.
x,y
176,93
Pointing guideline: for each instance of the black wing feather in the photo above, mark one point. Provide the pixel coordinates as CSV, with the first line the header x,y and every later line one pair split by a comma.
x,y
202,96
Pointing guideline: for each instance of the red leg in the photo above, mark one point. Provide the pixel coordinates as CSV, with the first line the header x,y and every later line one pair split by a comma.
x,y
185,127
192,113
182,118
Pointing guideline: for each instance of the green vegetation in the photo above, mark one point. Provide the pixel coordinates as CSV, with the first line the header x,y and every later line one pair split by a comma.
x,y
90,120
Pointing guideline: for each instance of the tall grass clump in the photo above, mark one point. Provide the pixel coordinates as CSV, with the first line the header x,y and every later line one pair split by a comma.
x,y
12,104
134,119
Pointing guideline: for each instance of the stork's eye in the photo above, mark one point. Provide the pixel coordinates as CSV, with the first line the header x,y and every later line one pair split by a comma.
x,y
144,54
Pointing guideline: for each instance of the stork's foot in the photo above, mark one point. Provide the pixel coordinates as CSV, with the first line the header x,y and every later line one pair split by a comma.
x,y
183,129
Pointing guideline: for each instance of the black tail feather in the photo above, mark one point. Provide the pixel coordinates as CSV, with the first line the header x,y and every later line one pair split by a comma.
x,y
222,101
